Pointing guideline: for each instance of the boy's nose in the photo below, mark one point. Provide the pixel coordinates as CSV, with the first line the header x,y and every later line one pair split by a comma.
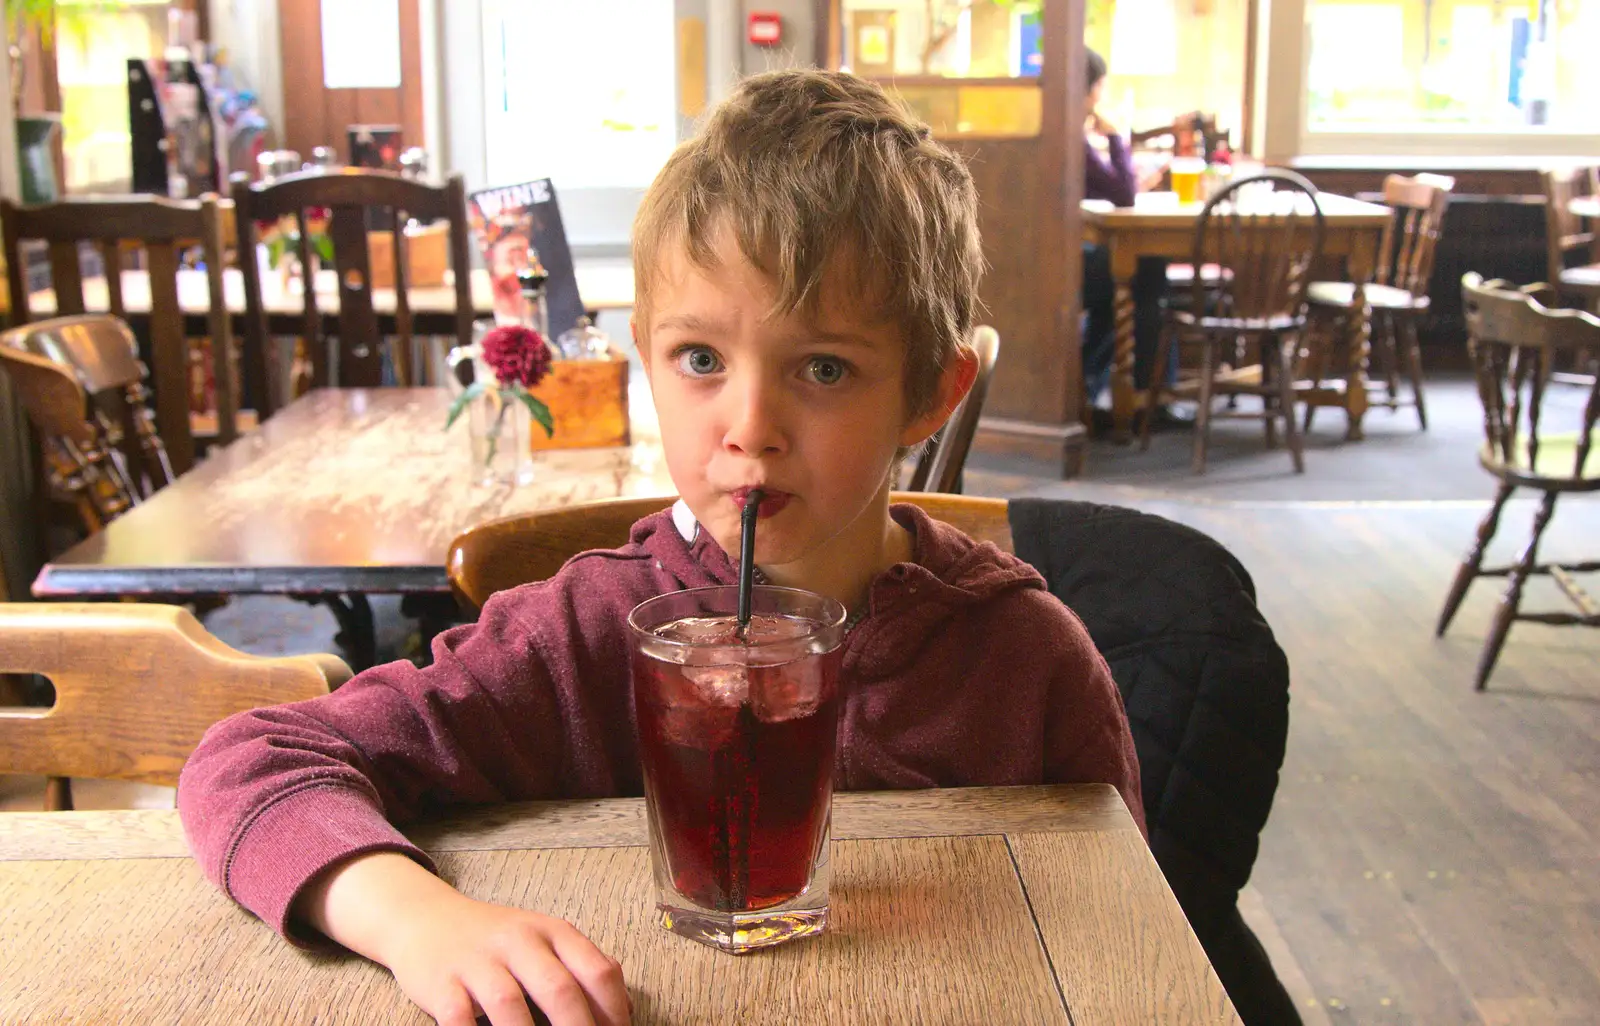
x,y
753,427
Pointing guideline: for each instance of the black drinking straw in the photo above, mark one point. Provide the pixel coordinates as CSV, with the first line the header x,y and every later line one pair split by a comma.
x,y
747,553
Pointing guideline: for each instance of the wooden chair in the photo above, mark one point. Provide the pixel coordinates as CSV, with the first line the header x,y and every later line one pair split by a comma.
x,y
1265,246
526,547
1515,342
1397,295
939,469
1565,239
354,198
136,686
164,229
82,385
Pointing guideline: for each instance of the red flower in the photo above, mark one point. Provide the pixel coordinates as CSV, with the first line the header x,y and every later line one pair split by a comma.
x,y
517,354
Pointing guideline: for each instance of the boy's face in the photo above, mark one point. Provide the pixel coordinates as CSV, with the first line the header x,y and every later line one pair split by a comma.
x,y
811,412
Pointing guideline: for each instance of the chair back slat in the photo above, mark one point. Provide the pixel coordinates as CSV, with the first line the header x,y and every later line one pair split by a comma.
x,y
136,687
66,278
455,188
169,355
949,455
259,389
357,198
219,325
1411,238
526,547
164,229
360,345
111,257
1268,240
310,316
1515,343
403,348
1564,232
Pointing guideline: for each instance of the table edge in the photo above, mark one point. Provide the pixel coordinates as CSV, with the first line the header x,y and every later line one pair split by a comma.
x,y
70,580
603,822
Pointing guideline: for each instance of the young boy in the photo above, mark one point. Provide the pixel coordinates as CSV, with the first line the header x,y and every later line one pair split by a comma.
x,y
807,272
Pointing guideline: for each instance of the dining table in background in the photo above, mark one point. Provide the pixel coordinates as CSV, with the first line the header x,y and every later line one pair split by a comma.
x,y
344,492
604,285
994,905
1352,231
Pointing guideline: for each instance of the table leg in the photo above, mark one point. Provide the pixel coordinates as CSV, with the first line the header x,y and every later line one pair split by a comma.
x,y
1359,326
1124,395
357,632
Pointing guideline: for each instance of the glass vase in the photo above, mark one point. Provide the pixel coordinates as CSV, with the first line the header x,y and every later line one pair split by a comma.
x,y
500,449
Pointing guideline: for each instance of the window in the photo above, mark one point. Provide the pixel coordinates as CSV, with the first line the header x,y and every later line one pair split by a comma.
x,y
92,54
1452,66
581,93
952,61
1170,57
947,38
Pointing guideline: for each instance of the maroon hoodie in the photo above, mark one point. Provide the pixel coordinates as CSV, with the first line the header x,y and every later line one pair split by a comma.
x,y
965,672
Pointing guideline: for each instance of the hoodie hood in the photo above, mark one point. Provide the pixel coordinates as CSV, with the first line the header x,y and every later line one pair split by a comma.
x,y
906,603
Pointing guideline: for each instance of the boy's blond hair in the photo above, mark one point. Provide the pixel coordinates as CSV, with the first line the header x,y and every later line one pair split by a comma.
x,y
821,175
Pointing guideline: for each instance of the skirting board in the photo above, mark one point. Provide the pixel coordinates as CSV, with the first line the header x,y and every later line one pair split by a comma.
x,y
1063,445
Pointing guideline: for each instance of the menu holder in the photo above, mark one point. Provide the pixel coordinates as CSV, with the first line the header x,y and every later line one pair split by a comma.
x,y
518,227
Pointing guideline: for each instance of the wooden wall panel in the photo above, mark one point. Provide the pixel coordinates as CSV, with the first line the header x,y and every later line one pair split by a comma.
x,y
1030,192
1029,374
316,116
1495,226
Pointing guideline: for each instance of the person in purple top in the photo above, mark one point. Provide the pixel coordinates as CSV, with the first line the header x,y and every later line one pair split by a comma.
x,y
1112,177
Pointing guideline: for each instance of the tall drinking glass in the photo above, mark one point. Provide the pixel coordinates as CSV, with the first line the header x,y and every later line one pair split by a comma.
x,y
737,739
1186,172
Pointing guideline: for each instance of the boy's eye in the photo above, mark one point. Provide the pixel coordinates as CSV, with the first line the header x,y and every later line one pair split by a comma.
x,y
698,361
826,370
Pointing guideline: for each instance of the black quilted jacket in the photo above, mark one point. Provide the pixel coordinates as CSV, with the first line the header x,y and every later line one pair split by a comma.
x,y
1207,692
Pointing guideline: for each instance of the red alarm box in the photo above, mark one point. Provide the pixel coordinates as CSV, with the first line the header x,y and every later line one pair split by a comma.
x,y
766,28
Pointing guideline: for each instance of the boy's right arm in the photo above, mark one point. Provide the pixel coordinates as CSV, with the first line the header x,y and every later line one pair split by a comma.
x,y
289,809
454,956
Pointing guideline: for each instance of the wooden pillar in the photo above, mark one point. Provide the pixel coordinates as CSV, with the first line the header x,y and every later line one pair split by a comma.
x,y
1030,192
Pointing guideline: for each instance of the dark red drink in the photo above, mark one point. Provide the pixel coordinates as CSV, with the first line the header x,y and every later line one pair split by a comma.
x,y
737,735
740,787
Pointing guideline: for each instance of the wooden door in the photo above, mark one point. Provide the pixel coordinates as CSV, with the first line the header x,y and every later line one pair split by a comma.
x,y
317,116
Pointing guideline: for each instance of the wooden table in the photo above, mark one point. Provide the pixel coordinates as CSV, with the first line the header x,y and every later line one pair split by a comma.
x,y
1353,231
991,905
603,286
343,491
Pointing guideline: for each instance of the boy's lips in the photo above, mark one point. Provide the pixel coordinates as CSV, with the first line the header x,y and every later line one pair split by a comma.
x,y
772,500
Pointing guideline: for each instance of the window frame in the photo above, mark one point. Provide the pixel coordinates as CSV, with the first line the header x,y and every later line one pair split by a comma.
x,y
1280,123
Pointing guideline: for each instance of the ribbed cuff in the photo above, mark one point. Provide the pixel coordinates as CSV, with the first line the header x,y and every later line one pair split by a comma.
x,y
289,842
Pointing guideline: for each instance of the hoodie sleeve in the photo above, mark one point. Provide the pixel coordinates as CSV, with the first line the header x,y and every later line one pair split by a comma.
x,y
1086,727
273,796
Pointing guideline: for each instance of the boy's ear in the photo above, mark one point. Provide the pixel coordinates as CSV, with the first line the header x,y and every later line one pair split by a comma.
x,y
954,384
